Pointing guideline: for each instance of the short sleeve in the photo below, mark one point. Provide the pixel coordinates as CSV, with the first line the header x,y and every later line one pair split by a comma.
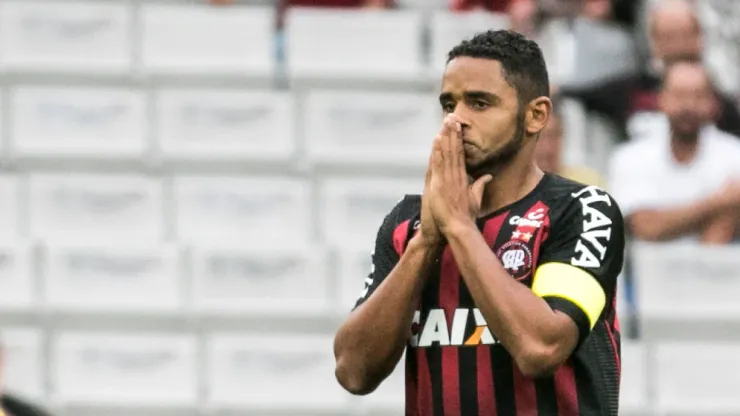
x,y
391,238
582,257
628,183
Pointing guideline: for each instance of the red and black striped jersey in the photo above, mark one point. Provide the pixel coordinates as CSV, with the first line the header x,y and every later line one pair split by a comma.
x,y
455,365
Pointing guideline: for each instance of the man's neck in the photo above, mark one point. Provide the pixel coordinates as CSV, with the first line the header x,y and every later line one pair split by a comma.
x,y
510,185
684,151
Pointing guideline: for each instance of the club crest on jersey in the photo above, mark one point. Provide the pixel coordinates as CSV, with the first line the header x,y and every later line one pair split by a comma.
x,y
516,258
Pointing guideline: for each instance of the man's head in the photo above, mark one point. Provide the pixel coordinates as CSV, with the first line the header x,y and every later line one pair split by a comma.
x,y
675,32
497,85
549,151
687,99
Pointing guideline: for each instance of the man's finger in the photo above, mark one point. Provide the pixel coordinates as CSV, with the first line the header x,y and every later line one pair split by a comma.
x,y
457,152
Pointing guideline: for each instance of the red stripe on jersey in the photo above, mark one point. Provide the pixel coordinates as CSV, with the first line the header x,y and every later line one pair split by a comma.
x,y
542,212
614,347
565,390
425,403
614,306
449,300
486,387
400,234
525,394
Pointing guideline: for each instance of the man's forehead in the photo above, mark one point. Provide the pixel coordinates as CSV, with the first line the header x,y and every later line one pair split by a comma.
x,y
473,74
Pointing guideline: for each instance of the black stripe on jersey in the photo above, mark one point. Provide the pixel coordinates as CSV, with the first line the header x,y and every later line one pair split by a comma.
x,y
468,361
503,381
547,400
430,296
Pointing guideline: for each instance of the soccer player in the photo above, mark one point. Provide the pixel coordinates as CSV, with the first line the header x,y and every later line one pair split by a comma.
x,y
499,280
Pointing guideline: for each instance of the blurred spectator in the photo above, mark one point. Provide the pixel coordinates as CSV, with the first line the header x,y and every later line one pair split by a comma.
x,y
683,184
337,3
630,102
549,154
498,6
283,5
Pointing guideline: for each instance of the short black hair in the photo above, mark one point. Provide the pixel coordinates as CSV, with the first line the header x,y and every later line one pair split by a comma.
x,y
521,59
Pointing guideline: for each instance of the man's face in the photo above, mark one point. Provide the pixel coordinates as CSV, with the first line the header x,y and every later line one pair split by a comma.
x,y
475,90
687,99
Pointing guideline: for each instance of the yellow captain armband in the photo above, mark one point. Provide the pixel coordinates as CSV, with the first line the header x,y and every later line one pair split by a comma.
x,y
572,284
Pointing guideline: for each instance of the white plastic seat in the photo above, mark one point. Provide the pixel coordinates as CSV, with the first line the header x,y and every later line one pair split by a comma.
x,y
56,122
353,44
205,124
697,378
110,206
24,362
450,28
124,277
353,209
634,381
124,369
11,226
235,209
17,287
370,127
688,287
274,367
207,40
66,36
259,280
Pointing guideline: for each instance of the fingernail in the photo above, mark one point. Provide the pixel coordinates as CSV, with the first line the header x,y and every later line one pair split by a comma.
x,y
459,127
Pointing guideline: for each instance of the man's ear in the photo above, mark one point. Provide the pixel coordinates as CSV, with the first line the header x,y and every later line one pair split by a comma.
x,y
536,115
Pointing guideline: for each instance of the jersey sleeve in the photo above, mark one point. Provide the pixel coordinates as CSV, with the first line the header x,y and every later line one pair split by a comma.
x,y
582,258
385,254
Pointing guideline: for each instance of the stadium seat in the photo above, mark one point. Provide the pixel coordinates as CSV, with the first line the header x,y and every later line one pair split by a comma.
x,y
24,362
124,369
370,127
83,122
210,124
450,28
352,209
634,383
66,37
125,277
687,291
351,45
10,208
18,289
77,206
240,209
697,378
201,40
283,372
250,277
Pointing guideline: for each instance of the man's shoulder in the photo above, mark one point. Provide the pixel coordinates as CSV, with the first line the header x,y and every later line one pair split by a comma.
x,y
567,198
406,209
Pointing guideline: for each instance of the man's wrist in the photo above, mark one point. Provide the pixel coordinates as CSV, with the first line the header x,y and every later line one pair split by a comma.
x,y
430,249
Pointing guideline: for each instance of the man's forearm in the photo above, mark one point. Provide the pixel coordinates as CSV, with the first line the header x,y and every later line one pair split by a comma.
x,y
370,343
523,322
668,224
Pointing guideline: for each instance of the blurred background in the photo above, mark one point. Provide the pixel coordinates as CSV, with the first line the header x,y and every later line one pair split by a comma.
x,y
190,190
